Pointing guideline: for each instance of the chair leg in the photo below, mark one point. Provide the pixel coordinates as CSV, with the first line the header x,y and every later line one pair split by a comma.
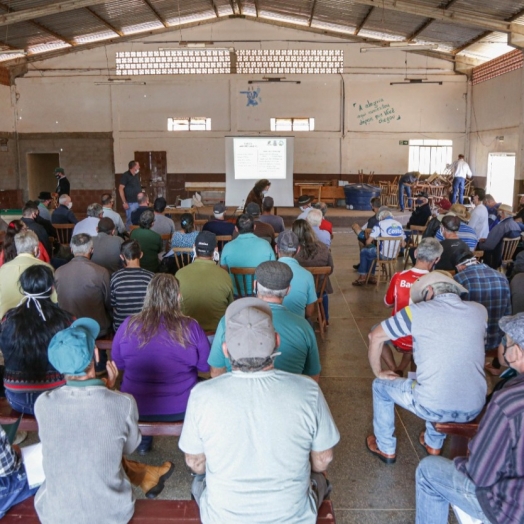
x,y
373,264
321,318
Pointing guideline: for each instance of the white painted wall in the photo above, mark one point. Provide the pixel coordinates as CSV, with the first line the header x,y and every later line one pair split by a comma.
x,y
62,97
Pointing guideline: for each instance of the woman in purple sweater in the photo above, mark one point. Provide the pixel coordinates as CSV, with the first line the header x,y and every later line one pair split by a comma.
x,y
160,352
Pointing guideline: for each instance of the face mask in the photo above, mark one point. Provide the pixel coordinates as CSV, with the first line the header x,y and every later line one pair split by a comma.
x,y
264,193
70,205
216,256
419,201
137,171
302,208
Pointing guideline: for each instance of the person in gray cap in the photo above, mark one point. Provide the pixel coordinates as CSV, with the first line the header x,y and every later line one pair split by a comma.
x,y
206,288
85,428
219,225
298,344
302,297
448,349
488,484
258,439
268,217
304,203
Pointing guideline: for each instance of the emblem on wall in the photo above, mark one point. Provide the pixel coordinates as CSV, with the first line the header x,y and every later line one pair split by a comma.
x,y
253,96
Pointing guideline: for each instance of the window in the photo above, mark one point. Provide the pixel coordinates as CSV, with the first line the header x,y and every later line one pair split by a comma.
x,y
292,124
430,156
193,123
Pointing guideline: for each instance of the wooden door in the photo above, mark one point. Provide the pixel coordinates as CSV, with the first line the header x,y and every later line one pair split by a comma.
x,y
153,172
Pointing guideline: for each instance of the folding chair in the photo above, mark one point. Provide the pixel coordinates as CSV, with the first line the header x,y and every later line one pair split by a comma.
x,y
320,275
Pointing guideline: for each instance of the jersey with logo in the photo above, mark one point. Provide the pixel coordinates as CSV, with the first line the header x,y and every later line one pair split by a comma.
x,y
388,227
398,296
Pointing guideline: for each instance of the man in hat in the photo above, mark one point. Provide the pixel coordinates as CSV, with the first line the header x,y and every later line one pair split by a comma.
x,y
422,212
85,428
450,384
304,203
493,211
44,200
506,228
258,439
465,232
302,297
298,345
247,250
479,220
62,186
219,225
206,288
460,170
405,184
488,484
268,217
451,243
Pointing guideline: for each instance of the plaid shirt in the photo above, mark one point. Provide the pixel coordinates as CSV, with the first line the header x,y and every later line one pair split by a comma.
x,y
491,289
9,461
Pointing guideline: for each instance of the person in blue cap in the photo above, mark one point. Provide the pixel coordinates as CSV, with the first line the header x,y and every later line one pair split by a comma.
x,y
85,429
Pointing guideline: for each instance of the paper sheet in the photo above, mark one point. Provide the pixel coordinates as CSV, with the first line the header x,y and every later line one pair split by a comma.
x,y
32,459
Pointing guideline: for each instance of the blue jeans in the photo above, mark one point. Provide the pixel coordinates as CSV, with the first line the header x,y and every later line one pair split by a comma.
x,y
458,189
13,490
401,189
367,255
387,393
129,210
440,484
22,402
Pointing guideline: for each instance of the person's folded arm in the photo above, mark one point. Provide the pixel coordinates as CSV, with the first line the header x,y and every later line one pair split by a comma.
x,y
196,463
320,460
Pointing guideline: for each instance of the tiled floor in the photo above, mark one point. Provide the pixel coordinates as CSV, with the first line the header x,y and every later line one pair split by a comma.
x,y
365,490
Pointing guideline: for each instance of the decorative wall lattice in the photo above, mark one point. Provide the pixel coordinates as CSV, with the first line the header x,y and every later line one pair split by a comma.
x,y
497,67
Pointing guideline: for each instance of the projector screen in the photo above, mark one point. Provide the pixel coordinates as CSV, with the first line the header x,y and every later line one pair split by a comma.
x,y
249,159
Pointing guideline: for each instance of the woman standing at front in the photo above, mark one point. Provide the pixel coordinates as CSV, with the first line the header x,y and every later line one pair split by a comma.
x,y
258,193
160,352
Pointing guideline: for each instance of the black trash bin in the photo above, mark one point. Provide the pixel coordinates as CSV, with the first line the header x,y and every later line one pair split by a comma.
x,y
359,195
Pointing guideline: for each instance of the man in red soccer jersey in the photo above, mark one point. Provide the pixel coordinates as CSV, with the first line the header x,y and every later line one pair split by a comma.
x,y
427,255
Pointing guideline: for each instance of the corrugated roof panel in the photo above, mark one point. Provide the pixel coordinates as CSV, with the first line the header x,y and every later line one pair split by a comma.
x,y
185,10
94,37
340,12
451,34
502,9
377,35
17,5
490,47
272,15
289,9
394,22
49,46
10,56
124,13
334,27
24,34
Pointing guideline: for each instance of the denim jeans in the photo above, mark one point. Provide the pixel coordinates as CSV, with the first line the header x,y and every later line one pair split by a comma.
x,y
387,393
367,255
13,490
22,402
401,189
440,484
458,189
129,210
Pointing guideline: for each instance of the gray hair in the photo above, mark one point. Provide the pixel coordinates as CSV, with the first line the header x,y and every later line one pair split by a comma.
x,y
384,213
251,365
322,206
429,249
26,242
81,244
64,199
440,288
266,292
146,219
94,210
314,217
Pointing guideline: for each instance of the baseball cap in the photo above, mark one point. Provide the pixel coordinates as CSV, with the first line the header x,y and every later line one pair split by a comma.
x,y
287,241
273,275
206,241
444,204
219,208
513,325
71,350
253,209
428,280
59,170
249,329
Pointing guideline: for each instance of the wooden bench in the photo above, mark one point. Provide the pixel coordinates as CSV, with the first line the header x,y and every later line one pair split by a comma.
x,y
28,423
152,511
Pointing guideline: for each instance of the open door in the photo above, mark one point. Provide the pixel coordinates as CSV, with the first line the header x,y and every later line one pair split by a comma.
x,y
153,172
501,177
41,173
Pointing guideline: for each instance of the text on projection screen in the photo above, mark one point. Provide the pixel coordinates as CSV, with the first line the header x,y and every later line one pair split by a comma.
x,y
257,158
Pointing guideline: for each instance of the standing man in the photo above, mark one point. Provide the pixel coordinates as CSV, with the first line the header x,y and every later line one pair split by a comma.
x,y
258,439
404,186
109,212
129,188
62,187
450,384
460,170
488,484
44,199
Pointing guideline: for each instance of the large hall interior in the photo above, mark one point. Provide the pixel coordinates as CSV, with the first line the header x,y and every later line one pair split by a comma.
x,y
360,91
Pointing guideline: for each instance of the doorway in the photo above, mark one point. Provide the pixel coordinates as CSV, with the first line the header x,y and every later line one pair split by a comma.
x,y
40,173
501,177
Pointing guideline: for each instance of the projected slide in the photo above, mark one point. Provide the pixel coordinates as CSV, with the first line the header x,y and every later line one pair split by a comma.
x,y
256,158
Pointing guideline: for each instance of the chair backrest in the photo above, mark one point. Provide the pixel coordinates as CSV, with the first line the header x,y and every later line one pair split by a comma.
x,y
222,240
242,280
166,239
320,274
132,228
509,246
183,256
388,247
199,223
64,232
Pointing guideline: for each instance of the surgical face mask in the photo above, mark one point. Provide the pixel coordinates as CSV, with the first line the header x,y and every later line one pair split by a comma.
x,y
216,256
137,171
302,208
70,205
419,201
264,193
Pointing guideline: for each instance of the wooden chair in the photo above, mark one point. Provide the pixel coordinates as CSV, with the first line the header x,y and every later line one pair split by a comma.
x,y
199,223
388,248
132,228
166,239
183,256
320,274
413,242
509,246
243,280
478,255
222,240
64,232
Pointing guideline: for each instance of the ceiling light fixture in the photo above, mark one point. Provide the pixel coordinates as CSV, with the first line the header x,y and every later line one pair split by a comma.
x,y
273,79
399,46
415,81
